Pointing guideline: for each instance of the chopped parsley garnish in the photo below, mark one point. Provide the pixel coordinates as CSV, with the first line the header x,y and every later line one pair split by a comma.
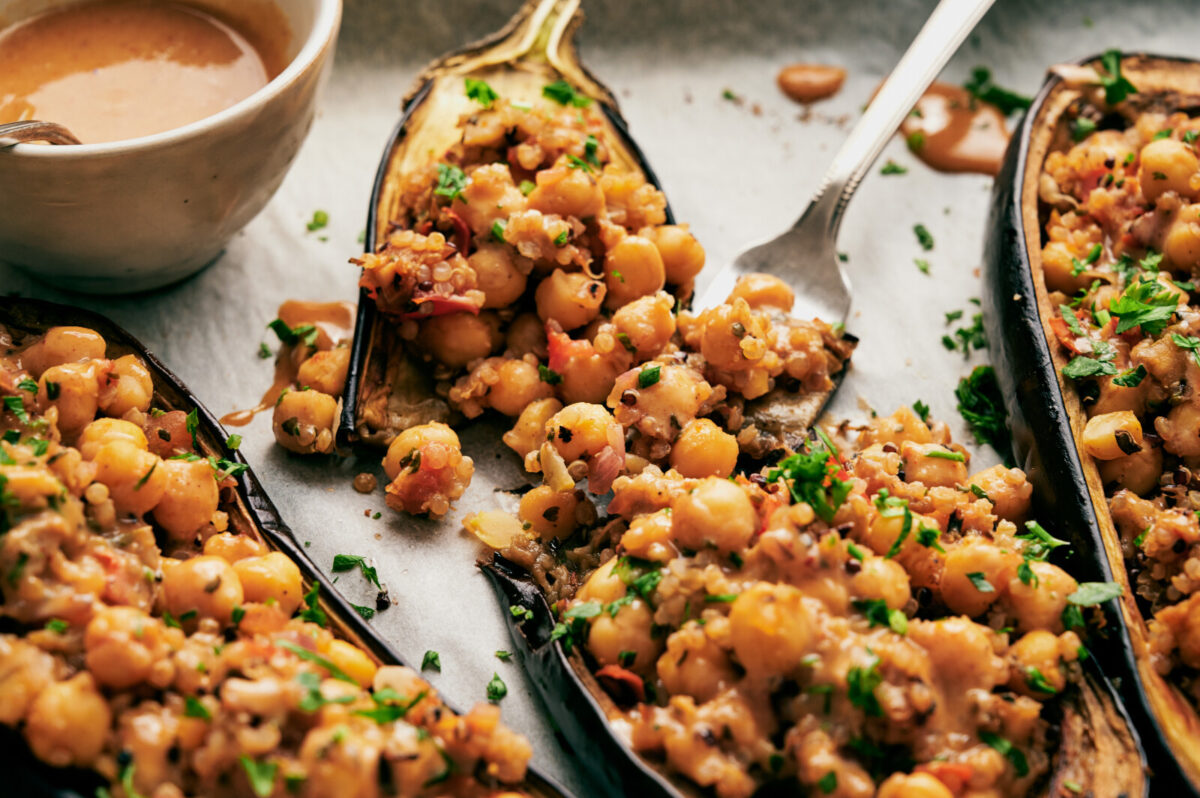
x,y
1089,594
1008,750
1082,366
527,186
982,407
234,441
260,774
145,477
924,237
451,181
307,333
649,376
17,408
1116,87
893,168
1037,682
575,162
722,598
312,611
922,410
549,375
944,454
860,686
1189,137
922,265
319,220
315,658
498,229
855,552
1144,304
520,613
562,238
981,87
496,688
432,659
1081,128
1190,343
57,625
28,385
928,537
1078,266
264,351
878,613
1162,134
480,91
590,145
915,140
828,782
366,613
505,656
564,93
192,708
347,562
1132,378
979,580
812,478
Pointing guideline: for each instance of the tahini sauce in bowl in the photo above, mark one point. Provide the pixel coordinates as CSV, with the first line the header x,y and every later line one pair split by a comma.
x,y
120,69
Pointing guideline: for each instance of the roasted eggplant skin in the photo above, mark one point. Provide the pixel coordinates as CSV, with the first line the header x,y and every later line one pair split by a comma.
x,y
250,511
1045,446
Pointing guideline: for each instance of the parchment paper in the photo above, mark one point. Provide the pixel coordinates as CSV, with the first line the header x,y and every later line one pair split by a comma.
x,y
737,172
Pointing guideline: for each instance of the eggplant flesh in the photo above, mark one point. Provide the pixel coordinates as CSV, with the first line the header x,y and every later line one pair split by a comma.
x,y
251,512
1047,415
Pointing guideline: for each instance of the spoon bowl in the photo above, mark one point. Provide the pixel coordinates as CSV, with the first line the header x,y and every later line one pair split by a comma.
x,y
13,133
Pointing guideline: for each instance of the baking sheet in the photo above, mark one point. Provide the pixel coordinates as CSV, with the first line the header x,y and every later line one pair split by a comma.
x,y
738,173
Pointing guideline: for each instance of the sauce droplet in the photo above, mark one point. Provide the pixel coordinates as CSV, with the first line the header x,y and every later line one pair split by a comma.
x,y
807,83
953,131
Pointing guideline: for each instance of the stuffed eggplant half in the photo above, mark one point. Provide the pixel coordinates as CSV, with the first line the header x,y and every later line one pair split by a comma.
x,y
1092,308
161,633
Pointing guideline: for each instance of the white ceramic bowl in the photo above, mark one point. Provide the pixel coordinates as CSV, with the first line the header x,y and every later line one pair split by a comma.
x,y
138,214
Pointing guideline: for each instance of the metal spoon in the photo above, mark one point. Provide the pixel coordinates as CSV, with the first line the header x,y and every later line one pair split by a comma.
x,y
806,255
13,133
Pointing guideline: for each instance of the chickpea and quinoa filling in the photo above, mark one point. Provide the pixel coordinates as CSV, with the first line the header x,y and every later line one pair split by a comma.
x,y
153,638
869,622
1121,254
526,272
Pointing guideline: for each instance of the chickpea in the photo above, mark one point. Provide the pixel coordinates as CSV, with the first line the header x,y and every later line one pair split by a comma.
x,y
770,629
135,478
190,499
209,585
303,421
649,537
69,722
1007,489
589,378
703,450
929,464
76,395
457,339
973,576
529,433
1040,604
716,512
526,335
1138,472
1037,650
103,430
604,585
353,661
271,576
1181,242
130,387
1180,430
581,429
882,579
1168,165
519,385
682,255
497,275
325,371
763,292
63,345
551,513
231,548
566,191
570,298
648,322
629,630
403,446
123,644
632,268
913,785
1112,435
694,664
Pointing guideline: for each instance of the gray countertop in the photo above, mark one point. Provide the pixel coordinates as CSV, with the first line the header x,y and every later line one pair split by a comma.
x,y
737,173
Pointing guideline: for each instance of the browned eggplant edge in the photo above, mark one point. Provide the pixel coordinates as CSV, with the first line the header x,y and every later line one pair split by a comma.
x,y
27,774
1043,441
367,314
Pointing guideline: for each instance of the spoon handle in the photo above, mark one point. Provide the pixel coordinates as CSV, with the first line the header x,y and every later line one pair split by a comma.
x,y
32,130
943,32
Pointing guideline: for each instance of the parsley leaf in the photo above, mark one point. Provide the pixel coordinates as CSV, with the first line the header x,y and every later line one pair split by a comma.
x,y
982,407
451,181
1083,366
979,580
480,91
312,611
496,688
1116,87
433,660
260,774
860,686
1089,594
564,93
812,478
981,87
1144,304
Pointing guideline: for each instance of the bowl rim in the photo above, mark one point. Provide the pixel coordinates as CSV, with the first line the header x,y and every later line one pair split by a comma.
x,y
324,29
